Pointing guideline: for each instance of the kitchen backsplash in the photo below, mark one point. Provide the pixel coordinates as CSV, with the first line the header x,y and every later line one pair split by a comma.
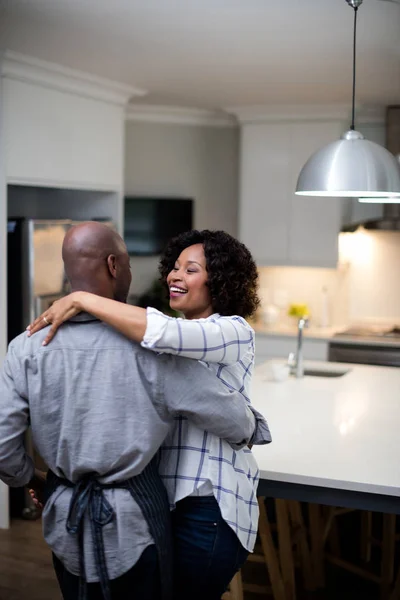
x,y
365,287
373,259
282,286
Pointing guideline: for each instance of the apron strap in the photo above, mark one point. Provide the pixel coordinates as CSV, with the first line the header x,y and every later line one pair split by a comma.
x,y
88,498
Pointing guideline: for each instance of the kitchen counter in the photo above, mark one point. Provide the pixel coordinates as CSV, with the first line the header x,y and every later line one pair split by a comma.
x,y
329,334
338,433
317,333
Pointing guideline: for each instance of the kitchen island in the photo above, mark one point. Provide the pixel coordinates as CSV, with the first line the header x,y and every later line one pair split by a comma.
x,y
335,440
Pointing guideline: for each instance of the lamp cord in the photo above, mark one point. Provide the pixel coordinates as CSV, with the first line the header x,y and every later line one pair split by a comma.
x,y
353,107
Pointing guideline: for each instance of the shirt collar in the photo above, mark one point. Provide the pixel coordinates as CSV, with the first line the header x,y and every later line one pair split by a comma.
x,y
83,317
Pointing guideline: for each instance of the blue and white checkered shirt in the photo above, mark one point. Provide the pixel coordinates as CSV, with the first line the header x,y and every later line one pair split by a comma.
x,y
193,460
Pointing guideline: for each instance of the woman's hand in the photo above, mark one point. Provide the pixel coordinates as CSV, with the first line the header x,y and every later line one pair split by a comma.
x,y
36,489
59,312
39,505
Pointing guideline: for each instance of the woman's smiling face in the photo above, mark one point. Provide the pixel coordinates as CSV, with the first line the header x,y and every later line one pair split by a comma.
x,y
187,282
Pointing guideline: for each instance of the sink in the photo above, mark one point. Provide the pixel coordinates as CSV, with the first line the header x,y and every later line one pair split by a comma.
x,y
321,373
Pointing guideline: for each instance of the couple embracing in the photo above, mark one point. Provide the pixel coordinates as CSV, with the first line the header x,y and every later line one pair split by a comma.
x,y
143,420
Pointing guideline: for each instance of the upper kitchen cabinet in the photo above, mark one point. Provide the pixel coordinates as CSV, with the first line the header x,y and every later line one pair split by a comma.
x,y
279,227
264,191
62,128
314,223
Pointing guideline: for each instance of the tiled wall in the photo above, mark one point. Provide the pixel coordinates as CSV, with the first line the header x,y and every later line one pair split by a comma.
x,y
365,288
373,275
282,286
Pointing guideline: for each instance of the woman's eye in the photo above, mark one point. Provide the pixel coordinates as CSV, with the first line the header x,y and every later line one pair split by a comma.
x,y
191,271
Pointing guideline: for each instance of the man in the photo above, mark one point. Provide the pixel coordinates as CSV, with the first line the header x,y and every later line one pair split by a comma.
x,y
100,407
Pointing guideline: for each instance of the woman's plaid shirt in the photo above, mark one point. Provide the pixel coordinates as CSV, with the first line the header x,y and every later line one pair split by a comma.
x,y
192,457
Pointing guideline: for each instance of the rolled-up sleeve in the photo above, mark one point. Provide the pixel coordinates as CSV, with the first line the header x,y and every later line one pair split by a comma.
x,y
215,339
261,435
16,467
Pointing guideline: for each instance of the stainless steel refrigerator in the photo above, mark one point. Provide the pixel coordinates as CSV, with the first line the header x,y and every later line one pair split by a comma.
x,y
35,279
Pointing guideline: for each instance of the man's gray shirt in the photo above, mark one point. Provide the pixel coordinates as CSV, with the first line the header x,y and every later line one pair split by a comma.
x,y
99,403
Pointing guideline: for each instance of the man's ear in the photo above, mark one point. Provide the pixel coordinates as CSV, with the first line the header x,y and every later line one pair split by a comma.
x,y
112,265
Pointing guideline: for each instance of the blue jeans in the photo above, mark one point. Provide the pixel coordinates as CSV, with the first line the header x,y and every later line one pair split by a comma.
x,y
207,551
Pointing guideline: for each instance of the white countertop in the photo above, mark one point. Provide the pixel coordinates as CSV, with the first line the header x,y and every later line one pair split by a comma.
x,y
328,334
332,432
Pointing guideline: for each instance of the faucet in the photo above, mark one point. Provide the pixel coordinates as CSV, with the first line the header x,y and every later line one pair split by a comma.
x,y
296,362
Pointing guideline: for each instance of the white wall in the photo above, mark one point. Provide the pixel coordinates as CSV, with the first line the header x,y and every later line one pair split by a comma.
x,y
3,232
4,518
198,162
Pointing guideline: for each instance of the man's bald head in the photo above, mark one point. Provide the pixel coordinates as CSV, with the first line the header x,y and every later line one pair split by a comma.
x,y
96,260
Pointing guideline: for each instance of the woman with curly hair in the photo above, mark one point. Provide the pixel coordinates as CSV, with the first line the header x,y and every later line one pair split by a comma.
x,y
211,279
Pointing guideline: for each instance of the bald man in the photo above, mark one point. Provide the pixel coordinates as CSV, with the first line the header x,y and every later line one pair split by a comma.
x,y
100,407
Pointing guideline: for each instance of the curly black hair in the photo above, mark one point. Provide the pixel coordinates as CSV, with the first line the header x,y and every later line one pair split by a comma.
x,y
232,272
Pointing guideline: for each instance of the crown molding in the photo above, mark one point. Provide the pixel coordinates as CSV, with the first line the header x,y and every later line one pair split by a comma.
x,y
271,113
179,116
318,112
50,75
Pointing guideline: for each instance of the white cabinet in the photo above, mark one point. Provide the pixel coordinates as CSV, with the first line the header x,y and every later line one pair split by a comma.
x,y
270,346
279,227
314,223
61,139
264,191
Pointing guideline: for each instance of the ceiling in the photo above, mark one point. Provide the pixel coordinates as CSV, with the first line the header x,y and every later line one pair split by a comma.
x,y
217,53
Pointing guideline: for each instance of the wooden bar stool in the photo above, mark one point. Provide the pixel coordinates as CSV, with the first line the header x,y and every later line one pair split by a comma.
x,y
235,589
267,556
292,550
388,544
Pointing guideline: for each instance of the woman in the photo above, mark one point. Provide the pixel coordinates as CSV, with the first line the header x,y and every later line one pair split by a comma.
x,y
209,276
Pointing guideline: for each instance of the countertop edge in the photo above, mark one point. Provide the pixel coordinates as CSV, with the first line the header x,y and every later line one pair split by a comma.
x,y
328,336
346,486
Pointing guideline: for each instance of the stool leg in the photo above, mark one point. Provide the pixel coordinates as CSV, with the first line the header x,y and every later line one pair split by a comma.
x,y
304,550
395,595
285,548
366,535
271,558
388,550
332,531
236,587
317,543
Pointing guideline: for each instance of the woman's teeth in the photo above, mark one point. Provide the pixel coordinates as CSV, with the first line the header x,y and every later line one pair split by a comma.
x,y
177,290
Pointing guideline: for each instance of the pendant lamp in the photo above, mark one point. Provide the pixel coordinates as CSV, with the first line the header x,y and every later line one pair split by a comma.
x,y
351,166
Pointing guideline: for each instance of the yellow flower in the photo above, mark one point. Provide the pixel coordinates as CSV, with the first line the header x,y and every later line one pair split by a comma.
x,y
298,310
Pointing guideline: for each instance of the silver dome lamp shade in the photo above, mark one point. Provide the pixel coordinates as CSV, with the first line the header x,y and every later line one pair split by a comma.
x,y
351,166
388,199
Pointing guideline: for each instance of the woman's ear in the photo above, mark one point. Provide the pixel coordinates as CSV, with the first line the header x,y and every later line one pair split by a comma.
x,y
112,265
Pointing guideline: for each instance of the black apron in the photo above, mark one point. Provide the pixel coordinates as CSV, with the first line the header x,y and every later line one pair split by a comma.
x,y
148,492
